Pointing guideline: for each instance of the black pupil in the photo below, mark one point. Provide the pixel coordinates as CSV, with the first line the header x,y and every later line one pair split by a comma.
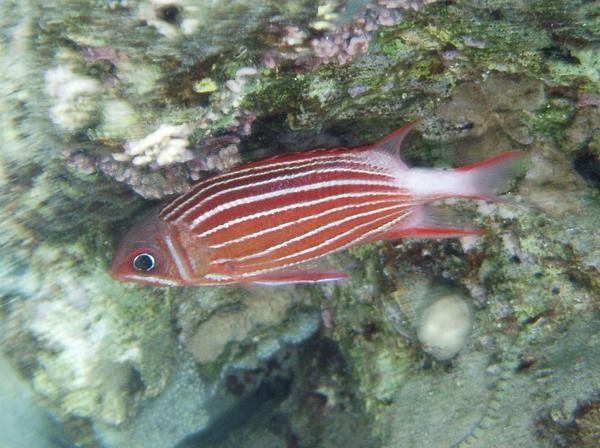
x,y
143,262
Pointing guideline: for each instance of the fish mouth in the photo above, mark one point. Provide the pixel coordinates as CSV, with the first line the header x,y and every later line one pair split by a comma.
x,y
113,272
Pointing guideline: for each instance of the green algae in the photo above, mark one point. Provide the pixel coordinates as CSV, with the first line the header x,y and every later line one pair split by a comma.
x,y
485,39
552,119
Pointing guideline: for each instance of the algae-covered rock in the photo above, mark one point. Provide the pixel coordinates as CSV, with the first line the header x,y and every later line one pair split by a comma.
x,y
109,105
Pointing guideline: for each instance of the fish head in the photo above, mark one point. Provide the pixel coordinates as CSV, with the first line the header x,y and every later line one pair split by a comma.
x,y
143,255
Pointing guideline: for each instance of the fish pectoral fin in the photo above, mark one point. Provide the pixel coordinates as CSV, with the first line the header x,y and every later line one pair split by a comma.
x,y
393,142
431,222
297,276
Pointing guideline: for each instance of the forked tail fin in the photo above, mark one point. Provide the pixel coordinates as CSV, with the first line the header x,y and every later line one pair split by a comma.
x,y
488,178
481,180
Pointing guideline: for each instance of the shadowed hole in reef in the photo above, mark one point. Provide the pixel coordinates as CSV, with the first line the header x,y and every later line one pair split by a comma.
x,y
301,396
170,14
560,53
588,167
136,383
268,395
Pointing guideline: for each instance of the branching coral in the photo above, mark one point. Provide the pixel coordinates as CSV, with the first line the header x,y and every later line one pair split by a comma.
x,y
165,146
341,42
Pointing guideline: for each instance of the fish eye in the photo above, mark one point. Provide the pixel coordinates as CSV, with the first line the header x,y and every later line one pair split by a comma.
x,y
144,262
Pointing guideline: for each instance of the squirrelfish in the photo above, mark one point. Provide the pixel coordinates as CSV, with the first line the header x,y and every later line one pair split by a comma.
x,y
267,221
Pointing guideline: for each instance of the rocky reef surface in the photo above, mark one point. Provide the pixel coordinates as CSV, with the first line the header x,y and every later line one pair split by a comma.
x,y
108,106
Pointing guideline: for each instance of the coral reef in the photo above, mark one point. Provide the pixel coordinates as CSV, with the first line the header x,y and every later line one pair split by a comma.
x,y
162,114
111,104
165,146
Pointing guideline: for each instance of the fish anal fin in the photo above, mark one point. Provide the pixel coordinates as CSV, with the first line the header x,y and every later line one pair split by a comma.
x,y
297,276
392,143
431,222
431,232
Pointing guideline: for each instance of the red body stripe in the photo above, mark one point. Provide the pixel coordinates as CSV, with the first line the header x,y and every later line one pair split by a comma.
x,y
280,212
326,236
289,200
261,221
285,164
262,181
282,227
343,240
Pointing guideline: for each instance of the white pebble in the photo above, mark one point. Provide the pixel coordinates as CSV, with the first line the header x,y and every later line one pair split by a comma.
x,y
444,327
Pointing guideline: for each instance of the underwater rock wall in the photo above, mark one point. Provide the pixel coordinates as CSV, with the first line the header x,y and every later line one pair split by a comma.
x,y
109,105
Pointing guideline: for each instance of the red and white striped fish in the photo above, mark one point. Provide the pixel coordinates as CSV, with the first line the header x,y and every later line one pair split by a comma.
x,y
263,221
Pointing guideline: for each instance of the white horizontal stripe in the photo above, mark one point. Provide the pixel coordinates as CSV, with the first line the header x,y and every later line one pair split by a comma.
x,y
274,180
307,218
311,233
362,237
282,282
219,277
273,194
275,167
148,279
286,208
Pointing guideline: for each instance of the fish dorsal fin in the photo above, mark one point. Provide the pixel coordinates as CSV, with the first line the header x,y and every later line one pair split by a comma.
x,y
392,143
